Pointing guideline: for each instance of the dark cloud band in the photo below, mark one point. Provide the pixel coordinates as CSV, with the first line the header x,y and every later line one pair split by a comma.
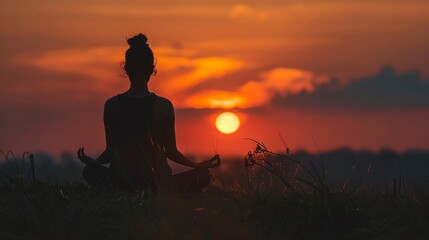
x,y
383,91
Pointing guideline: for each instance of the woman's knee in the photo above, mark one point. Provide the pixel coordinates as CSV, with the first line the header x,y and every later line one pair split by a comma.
x,y
87,174
94,174
204,173
203,177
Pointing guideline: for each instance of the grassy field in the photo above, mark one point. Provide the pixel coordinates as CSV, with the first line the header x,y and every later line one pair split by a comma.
x,y
277,197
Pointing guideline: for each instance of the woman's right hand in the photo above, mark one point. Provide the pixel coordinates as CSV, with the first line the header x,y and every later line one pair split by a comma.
x,y
211,163
83,157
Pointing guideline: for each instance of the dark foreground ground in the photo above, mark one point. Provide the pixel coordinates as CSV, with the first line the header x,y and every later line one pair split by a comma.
x,y
272,198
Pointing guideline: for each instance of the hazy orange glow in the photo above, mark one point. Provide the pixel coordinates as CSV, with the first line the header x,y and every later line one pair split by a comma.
x,y
227,122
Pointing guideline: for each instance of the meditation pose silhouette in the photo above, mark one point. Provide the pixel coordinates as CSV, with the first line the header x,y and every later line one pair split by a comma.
x,y
140,136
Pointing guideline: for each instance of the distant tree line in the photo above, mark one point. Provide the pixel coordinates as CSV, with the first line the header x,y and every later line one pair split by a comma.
x,y
341,164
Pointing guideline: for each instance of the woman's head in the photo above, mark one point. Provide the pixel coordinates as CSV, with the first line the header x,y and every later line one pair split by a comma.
x,y
139,60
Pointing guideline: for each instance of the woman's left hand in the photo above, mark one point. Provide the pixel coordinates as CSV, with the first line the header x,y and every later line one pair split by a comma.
x,y
211,163
83,157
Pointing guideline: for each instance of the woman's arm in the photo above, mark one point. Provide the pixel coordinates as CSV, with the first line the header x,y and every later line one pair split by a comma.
x,y
107,154
108,119
165,115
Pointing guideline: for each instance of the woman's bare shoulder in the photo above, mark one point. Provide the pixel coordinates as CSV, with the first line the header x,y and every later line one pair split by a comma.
x,y
164,102
111,104
164,106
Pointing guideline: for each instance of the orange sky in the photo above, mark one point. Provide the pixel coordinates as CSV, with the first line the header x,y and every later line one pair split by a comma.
x,y
304,70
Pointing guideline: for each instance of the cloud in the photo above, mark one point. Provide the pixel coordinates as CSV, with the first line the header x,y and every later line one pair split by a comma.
x,y
202,69
102,62
179,69
383,91
215,99
281,81
99,64
245,11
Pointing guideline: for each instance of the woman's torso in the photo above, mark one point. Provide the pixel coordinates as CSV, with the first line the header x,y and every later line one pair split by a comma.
x,y
138,142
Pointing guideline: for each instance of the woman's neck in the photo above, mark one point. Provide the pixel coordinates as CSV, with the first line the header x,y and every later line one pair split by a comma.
x,y
138,89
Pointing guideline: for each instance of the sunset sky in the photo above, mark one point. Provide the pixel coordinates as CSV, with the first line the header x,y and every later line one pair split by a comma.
x,y
304,74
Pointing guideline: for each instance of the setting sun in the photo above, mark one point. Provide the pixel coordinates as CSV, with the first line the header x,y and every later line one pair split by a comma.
x,y
227,122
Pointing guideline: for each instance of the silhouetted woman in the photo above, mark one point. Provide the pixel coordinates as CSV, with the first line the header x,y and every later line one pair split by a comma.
x,y
140,136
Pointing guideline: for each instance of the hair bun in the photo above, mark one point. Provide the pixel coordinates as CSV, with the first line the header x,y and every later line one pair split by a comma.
x,y
137,41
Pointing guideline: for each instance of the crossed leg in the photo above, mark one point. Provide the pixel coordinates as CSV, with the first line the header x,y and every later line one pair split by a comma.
x,y
190,181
